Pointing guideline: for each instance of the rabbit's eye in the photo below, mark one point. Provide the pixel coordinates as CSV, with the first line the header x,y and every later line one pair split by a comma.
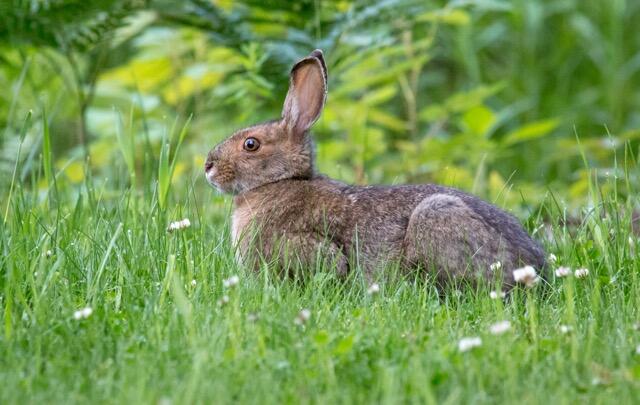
x,y
251,144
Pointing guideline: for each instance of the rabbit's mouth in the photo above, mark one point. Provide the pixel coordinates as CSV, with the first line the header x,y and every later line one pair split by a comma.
x,y
210,174
218,180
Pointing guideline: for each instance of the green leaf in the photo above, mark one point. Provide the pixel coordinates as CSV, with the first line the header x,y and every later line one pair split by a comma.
x,y
465,100
460,102
479,119
181,136
23,133
164,179
380,95
366,81
387,121
321,337
166,168
345,345
451,16
532,131
434,112
126,143
46,152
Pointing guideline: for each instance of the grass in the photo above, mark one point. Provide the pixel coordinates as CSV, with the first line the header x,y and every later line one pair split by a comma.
x,y
476,83
161,330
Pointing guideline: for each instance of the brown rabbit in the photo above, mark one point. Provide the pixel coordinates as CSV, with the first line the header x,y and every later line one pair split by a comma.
x,y
283,208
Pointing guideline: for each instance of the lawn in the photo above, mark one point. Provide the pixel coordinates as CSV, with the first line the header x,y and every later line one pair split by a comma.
x,y
169,322
109,108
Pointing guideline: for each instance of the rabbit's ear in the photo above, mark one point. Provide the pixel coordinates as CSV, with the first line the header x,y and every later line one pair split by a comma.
x,y
307,93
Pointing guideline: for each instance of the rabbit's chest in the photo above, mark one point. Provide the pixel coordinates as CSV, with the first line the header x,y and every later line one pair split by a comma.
x,y
239,222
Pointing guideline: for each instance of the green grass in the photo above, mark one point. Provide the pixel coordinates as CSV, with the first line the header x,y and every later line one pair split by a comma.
x,y
156,335
485,95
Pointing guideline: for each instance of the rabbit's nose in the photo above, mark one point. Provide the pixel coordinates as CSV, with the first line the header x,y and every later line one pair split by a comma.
x,y
212,156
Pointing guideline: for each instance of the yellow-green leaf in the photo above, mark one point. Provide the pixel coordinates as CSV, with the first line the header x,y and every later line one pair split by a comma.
x,y
479,119
535,130
451,16
387,120
379,96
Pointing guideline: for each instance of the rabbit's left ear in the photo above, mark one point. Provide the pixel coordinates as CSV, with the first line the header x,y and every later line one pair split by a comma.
x,y
307,93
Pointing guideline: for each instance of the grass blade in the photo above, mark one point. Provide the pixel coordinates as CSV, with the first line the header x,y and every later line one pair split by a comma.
x,y
23,134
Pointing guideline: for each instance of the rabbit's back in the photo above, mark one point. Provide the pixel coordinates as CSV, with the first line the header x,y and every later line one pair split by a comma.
x,y
374,220
447,225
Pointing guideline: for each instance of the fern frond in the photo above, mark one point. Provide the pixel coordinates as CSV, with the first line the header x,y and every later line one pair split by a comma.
x,y
63,24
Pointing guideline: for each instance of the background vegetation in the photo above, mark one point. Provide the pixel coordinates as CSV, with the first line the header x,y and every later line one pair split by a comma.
x,y
110,106
478,94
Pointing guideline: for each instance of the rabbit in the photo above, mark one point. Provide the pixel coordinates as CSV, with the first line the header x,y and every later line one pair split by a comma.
x,y
283,208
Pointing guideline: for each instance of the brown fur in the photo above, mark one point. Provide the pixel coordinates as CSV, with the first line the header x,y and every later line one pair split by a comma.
x,y
284,211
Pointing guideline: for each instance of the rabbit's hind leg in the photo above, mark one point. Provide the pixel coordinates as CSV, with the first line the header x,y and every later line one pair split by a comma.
x,y
447,237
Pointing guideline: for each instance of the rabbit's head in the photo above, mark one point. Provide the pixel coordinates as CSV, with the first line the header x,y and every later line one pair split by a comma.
x,y
276,150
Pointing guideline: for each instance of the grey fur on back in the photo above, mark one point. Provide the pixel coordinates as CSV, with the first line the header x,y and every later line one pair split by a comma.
x,y
374,221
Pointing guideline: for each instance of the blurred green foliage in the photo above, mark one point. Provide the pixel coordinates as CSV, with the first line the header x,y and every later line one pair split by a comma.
x,y
482,94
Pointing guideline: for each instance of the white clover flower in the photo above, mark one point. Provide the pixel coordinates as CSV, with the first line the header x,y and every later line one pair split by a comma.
x,y
499,328
48,254
303,316
83,313
581,273
178,225
495,266
564,329
468,343
231,282
373,289
552,258
253,317
224,300
194,283
283,364
563,272
526,275
494,295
